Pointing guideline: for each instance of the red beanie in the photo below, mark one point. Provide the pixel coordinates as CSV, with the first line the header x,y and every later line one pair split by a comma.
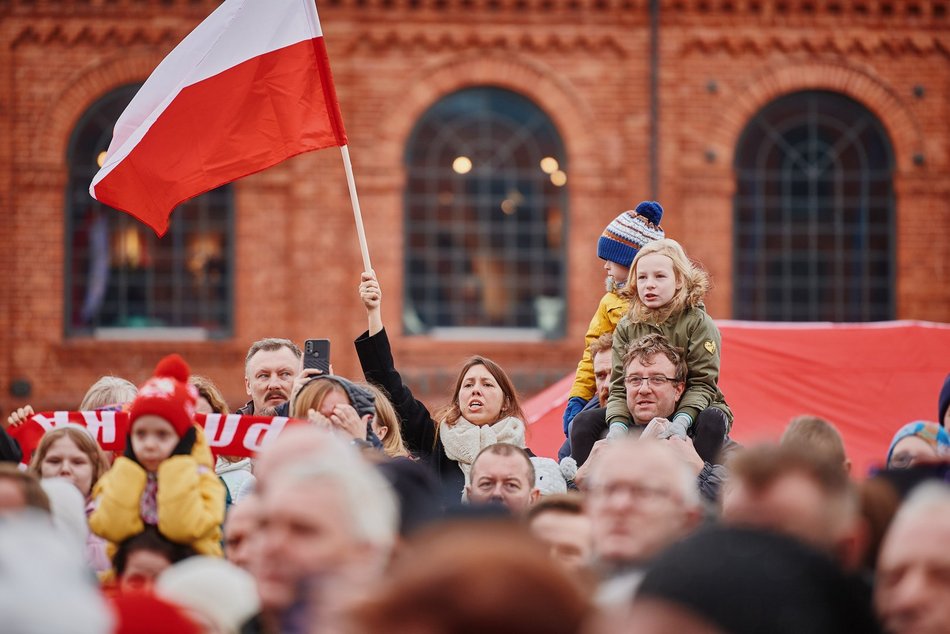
x,y
144,613
168,395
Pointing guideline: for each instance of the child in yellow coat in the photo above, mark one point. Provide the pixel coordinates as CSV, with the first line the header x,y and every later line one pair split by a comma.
x,y
166,477
617,247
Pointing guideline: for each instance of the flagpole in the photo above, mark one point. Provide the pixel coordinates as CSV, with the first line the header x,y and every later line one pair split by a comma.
x,y
354,199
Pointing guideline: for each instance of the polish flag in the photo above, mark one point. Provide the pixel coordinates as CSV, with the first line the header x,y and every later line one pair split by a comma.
x,y
248,88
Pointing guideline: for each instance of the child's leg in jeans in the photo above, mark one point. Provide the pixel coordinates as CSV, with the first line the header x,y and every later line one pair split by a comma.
x,y
709,432
586,429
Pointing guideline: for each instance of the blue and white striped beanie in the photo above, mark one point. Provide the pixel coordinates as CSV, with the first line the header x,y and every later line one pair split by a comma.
x,y
629,231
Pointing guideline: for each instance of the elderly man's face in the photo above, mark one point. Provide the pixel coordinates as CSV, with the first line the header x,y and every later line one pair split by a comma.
x,y
636,503
305,532
269,377
502,479
912,590
647,401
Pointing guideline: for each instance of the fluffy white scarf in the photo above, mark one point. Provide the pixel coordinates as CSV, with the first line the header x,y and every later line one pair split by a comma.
x,y
463,440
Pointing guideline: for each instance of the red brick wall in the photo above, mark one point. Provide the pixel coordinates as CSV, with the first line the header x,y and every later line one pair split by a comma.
x,y
584,62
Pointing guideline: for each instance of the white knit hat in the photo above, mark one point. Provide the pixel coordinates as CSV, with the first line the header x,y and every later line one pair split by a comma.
x,y
214,588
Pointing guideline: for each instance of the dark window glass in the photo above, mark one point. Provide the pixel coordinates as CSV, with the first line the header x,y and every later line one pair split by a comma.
x,y
486,206
814,213
119,275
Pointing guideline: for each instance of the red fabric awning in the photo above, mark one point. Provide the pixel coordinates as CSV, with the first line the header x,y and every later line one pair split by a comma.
x,y
867,379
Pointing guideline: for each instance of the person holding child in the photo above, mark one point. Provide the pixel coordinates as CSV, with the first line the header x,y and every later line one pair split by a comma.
x,y
166,478
617,247
667,299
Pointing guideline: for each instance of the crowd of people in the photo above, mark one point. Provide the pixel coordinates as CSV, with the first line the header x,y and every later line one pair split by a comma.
x,y
366,511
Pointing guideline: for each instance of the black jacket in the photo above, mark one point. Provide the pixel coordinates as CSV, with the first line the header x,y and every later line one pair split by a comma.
x,y
418,426
9,448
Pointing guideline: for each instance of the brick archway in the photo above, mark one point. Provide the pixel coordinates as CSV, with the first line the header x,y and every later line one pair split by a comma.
x,y
543,85
902,126
76,97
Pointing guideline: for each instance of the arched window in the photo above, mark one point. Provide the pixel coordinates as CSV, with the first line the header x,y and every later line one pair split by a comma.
x,y
486,204
814,213
122,281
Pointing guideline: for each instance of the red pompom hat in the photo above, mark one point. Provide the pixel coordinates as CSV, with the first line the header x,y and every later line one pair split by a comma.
x,y
168,395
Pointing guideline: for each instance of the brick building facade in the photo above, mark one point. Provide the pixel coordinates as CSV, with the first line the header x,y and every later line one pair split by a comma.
x,y
636,120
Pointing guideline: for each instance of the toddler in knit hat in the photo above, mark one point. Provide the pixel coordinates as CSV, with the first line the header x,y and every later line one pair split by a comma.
x,y
617,247
166,478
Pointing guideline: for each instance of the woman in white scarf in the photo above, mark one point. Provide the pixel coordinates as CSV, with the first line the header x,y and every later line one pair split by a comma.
x,y
484,408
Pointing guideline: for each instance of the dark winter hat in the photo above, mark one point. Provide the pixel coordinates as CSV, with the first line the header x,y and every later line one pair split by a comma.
x,y
943,402
746,581
417,490
363,401
168,395
629,231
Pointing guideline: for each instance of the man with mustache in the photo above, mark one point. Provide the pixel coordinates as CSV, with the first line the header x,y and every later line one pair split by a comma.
x,y
270,368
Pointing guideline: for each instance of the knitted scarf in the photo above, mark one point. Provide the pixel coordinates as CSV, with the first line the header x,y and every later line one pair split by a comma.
x,y
463,440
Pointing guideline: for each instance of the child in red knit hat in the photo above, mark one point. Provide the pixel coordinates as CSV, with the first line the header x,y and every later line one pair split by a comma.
x,y
166,478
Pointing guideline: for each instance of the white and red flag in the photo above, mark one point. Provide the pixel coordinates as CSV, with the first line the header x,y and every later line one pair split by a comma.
x,y
229,435
248,88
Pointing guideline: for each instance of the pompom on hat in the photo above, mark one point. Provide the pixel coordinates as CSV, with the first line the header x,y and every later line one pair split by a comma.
x,y
168,395
629,231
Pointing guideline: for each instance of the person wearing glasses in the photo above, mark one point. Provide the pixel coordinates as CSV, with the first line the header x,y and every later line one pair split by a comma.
x,y
641,498
654,378
654,374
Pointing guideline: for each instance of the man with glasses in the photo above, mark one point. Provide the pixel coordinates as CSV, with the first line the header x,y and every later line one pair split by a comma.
x,y
642,497
654,377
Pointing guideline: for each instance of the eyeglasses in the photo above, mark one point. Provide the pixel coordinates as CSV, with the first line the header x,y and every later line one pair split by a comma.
x,y
654,381
638,492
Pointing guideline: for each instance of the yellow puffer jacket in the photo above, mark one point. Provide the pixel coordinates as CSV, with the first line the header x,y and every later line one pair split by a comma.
x,y
609,312
190,499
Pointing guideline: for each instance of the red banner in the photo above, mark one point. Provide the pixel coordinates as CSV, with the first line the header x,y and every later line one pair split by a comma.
x,y
231,435
236,435
107,427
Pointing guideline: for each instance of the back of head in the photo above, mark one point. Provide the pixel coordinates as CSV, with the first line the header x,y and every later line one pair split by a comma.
x,y
746,581
216,589
818,436
69,511
45,586
108,390
25,487
461,579
417,490
789,489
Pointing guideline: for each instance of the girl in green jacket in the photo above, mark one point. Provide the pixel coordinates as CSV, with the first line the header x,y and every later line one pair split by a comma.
x,y
666,291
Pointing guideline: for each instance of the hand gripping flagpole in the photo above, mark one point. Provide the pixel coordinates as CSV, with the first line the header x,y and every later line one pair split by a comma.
x,y
354,199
